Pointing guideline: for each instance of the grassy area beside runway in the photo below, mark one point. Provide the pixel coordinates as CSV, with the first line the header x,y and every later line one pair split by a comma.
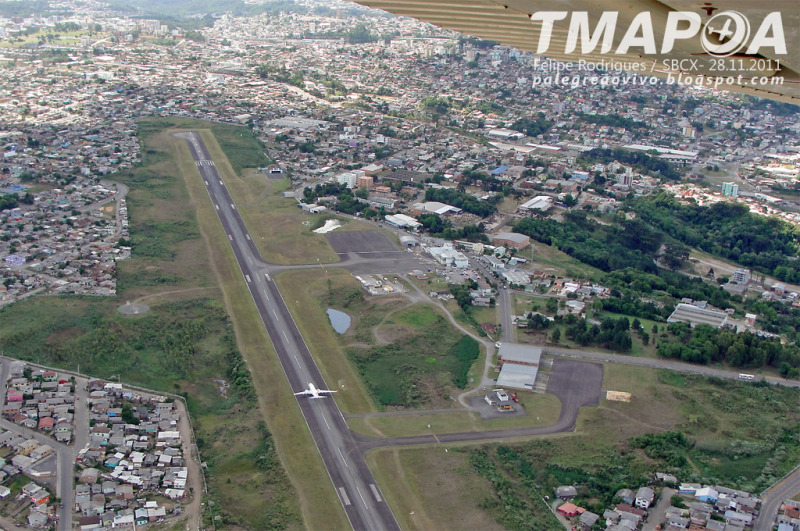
x,y
432,489
308,293
541,410
282,232
407,354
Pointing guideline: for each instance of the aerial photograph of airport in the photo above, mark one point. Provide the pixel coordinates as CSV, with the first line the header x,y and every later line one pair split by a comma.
x,y
400,264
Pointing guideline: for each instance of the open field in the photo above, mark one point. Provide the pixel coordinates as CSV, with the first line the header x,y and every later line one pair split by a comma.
x,y
542,410
432,489
416,359
553,261
742,433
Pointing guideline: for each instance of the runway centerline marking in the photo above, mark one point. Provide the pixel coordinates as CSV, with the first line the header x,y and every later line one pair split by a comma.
x,y
345,464
375,492
326,421
362,498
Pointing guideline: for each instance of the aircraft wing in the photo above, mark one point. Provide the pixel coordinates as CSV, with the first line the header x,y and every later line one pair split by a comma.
x,y
304,393
509,22
325,391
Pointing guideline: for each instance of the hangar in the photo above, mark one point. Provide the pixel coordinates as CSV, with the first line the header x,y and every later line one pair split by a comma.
x,y
519,365
689,313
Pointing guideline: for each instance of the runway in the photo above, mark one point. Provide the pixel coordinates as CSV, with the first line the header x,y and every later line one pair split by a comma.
x,y
352,480
343,452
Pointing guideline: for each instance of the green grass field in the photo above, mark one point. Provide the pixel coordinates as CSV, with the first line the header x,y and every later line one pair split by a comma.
x,y
542,410
553,261
432,489
415,359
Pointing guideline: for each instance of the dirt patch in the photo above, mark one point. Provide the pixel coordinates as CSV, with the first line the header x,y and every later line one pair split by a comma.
x,y
436,390
62,336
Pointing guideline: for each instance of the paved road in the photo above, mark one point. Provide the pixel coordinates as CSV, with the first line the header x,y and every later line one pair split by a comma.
x,y
506,300
772,498
353,481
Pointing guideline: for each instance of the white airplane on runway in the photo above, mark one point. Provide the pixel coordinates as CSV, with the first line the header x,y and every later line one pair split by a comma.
x,y
313,392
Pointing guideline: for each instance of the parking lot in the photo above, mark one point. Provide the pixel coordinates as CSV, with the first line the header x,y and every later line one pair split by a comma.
x,y
362,242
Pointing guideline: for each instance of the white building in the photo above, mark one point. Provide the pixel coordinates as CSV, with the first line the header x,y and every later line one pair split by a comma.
x,y
741,276
644,497
448,256
540,203
401,221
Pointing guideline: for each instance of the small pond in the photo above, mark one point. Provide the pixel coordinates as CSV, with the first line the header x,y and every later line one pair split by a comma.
x,y
339,320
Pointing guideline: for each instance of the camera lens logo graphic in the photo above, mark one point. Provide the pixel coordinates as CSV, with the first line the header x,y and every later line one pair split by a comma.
x,y
725,33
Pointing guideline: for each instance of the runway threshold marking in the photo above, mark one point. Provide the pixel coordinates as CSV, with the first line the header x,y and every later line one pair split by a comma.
x,y
247,236
268,279
230,237
217,206
248,278
345,499
375,492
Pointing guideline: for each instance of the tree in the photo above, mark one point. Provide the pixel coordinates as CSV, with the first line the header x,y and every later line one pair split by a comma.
x,y
538,321
556,335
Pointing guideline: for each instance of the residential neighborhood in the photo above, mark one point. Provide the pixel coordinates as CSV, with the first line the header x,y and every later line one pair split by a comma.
x,y
93,452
